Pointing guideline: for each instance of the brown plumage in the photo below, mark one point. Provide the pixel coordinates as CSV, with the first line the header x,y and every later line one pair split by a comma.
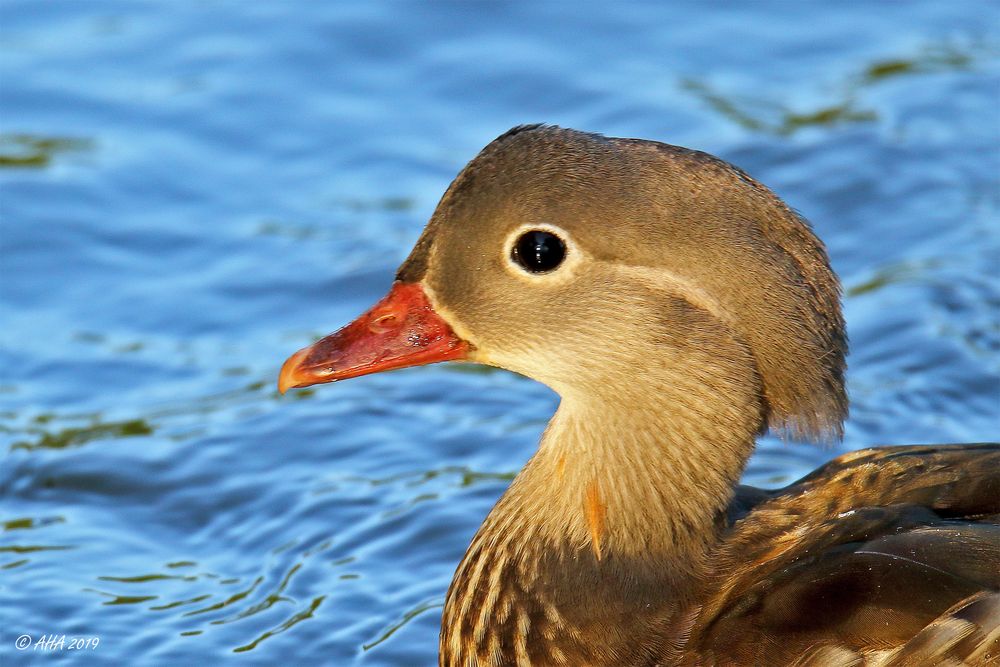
x,y
687,310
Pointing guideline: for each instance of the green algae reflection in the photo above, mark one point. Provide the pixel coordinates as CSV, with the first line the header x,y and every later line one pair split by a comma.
x,y
30,151
934,58
81,435
425,606
900,272
294,620
771,116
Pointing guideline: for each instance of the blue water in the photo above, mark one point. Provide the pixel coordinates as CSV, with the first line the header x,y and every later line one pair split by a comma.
x,y
193,190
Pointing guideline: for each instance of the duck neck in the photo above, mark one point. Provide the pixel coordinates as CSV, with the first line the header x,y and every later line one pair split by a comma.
x,y
609,524
645,483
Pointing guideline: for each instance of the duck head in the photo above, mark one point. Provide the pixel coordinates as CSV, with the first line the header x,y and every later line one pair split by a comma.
x,y
588,263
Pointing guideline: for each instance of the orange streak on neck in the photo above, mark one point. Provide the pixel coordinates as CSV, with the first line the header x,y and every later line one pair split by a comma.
x,y
561,467
595,511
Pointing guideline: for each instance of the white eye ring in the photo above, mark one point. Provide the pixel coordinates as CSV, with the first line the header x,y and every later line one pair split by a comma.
x,y
561,270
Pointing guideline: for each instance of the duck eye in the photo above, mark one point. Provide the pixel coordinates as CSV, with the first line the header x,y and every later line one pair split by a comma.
x,y
538,251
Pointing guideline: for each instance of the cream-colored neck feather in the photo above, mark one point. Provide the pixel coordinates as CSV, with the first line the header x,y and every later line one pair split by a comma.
x,y
643,475
611,519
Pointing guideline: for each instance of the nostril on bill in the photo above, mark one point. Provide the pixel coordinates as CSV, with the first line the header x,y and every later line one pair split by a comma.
x,y
383,323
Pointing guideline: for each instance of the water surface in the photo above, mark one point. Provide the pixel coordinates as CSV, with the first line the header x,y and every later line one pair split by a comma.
x,y
191,191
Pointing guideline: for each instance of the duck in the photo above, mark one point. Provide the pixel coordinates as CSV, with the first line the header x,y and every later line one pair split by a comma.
x,y
680,309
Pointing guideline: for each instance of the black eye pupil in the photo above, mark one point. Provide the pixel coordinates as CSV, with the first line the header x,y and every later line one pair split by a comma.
x,y
539,251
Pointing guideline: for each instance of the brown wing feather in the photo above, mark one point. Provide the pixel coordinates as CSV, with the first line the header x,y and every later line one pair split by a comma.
x,y
966,634
873,554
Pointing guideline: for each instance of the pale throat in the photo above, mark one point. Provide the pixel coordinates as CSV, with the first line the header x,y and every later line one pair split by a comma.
x,y
638,475
619,504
